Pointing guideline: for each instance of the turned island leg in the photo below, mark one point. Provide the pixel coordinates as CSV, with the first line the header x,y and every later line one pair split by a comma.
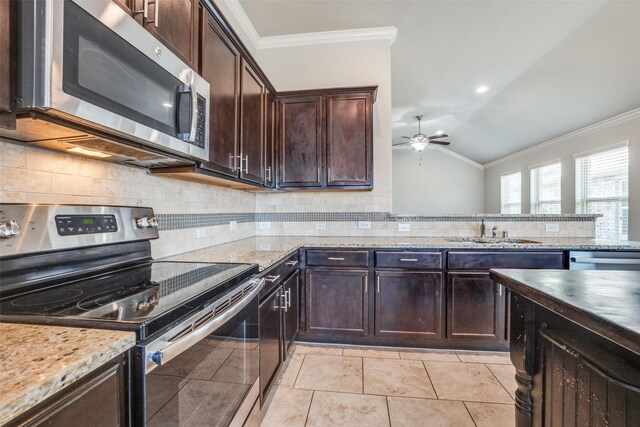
x,y
522,328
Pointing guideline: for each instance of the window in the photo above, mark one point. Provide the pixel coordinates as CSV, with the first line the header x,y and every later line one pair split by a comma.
x,y
602,187
545,189
510,193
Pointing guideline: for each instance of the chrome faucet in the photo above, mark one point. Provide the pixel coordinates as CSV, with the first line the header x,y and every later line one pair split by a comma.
x,y
483,229
494,231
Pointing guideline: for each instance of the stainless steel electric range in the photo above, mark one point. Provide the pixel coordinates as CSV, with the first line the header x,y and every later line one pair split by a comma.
x,y
196,357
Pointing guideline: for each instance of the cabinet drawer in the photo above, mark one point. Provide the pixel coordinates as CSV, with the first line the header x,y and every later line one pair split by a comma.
x,y
486,260
277,273
335,258
406,260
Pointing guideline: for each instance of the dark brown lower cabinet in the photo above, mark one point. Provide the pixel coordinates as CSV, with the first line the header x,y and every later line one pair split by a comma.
x,y
270,339
291,288
97,400
337,301
409,305
475,307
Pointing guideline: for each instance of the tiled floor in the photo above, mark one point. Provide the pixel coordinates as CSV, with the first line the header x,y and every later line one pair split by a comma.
x,y
352,386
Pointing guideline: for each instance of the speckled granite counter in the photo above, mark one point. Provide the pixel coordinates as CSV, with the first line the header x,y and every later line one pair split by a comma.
x,y
267,250
38,361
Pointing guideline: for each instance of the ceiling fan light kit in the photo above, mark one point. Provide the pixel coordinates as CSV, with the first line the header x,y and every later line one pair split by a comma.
x,y
419,141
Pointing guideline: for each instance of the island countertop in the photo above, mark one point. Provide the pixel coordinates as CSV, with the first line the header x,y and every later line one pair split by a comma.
x,y
265,251
603,301
38,361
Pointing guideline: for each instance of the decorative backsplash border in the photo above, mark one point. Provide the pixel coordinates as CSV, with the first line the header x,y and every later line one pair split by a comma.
x,y
183,221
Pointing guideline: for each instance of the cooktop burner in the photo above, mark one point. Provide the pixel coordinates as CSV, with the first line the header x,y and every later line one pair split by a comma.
x,y
45,301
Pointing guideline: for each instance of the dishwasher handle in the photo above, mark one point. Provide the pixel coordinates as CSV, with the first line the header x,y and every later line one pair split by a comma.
x,y
618,261
171,349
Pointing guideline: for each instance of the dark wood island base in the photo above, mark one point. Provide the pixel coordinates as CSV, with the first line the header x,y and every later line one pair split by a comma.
x,y
575,344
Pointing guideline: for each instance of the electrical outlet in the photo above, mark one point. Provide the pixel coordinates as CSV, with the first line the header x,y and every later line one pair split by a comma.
x,y
553,228
233,225
200,233
404,227
264,225
320,226
364,225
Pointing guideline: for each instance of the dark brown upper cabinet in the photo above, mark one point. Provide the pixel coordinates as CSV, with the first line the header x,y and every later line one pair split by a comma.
x,y
326,138
174,23
252,125
220,66
301,144
7,64
349,140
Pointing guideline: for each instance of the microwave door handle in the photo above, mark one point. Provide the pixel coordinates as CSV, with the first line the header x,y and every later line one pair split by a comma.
x,y
189,136
194,114
175,348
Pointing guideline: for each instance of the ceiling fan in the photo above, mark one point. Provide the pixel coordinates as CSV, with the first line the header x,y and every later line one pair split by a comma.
x,y
420,140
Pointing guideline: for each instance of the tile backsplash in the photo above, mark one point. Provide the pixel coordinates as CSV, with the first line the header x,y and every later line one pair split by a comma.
x,y
195,215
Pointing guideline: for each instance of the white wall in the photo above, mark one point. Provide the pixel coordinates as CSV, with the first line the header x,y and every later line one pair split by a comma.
x,y
436,183
625,127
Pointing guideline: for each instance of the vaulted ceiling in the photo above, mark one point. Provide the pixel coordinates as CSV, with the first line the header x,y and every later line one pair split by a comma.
x,y
551,66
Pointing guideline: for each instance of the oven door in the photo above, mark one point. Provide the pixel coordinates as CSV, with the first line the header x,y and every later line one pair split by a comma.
x,y
205,370
102,69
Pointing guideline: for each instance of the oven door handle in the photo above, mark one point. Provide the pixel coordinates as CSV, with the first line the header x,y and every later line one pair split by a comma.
x,y
173,349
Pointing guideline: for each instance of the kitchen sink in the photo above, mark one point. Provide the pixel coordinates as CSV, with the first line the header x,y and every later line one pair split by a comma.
x,y
491,241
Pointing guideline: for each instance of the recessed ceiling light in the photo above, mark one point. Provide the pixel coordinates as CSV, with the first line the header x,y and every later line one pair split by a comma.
x,y
482,89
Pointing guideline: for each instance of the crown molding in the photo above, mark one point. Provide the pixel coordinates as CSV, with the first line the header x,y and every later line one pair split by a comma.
x,y
450,153
325,37
583,131
307,39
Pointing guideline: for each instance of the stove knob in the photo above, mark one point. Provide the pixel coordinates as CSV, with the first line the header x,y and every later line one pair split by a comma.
x,y
9,229
147,222
153,301
143,306
156,358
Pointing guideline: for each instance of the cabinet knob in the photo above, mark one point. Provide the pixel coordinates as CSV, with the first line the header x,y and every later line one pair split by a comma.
x,y
9,229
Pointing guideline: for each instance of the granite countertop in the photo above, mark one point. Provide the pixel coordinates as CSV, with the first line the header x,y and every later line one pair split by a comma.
x,y
38,361
603,301
265,251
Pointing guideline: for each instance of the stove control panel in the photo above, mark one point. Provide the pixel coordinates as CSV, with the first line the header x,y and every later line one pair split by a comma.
x,y
72,225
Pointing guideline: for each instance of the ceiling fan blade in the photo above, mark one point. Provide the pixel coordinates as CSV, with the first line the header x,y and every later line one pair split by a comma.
x,y
402,143
440,142
407,137
444,135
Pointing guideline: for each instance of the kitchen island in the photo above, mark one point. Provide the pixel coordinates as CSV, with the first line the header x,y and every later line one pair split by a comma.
x,y
575,344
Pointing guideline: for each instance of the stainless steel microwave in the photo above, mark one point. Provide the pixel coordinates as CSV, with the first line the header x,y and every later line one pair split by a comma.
x,y
98,80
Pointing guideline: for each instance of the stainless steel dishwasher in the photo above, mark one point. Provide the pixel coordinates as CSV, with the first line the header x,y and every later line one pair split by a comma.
x,y
604,260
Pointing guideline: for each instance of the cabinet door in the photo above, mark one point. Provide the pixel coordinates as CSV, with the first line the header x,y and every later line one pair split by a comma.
x,y
174,23
349,140
409,305
291,317
270,339
220,66
300,137
337,302
8,61
476,307
270,144
252,129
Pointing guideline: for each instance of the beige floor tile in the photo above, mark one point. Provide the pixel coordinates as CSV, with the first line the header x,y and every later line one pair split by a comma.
x,y
331,373
313,349
506,374
466,381
501,358
405,412
492,414
288,408
343,409
397,378
371,352
435,355
291,370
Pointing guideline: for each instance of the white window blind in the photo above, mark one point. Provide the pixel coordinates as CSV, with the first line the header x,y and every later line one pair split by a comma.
x,y
510,193
602,187
545,189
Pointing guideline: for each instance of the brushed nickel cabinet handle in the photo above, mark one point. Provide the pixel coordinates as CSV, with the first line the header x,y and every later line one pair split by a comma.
x,y
272,279
333,258
292,262
409,259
